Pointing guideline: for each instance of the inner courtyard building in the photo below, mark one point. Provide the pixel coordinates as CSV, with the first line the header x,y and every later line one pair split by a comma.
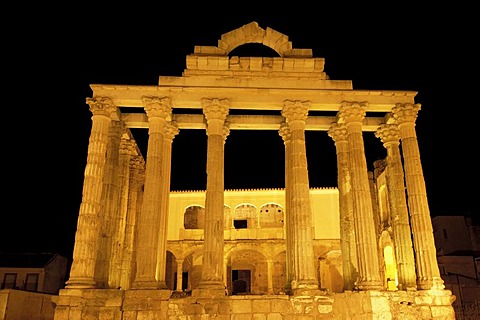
x,y
361,249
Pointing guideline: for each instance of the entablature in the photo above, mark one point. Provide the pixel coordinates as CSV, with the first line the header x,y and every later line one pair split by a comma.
x,y
253,98
246,122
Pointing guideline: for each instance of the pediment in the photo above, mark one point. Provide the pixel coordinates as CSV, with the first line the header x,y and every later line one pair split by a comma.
x,y
253,33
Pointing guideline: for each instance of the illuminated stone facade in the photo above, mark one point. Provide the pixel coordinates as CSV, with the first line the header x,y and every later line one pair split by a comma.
x,y
364,250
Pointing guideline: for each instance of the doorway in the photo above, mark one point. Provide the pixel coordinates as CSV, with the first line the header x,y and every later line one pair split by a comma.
x,y
241,280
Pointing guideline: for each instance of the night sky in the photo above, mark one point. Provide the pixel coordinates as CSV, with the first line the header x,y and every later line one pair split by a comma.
x,y
48,69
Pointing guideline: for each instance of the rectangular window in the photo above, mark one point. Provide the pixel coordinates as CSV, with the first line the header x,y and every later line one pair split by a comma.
x,y
31,282
9,281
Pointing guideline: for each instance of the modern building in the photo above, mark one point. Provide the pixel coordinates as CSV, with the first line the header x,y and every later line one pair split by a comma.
x,y
457,239
361,249
35,272
28,283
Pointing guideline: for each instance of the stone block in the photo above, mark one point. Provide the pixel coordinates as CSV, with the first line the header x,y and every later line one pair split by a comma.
x,y
225,308
242,306
282,306
278,316
261,306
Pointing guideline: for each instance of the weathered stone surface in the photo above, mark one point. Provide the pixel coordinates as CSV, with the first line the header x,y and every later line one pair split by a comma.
x,y
294,253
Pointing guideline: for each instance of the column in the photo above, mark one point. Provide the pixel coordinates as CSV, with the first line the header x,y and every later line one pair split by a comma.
x,y
270,276
211,283
109,204
171,130
390,138
88,225
146,243
428,274
137,179
295,113
179,275
338,132
225,272
352,114
118,247
289,230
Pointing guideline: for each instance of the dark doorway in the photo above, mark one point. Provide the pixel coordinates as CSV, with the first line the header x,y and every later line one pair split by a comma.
x,y
184,281
240,224
241,281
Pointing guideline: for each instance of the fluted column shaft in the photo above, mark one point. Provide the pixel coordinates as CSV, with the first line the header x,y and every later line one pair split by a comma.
x,y
158,111
171,130
134,205
115,272
352,114
290,256
109,204
390,138
82,272
295,113
428,274
215,111
338,132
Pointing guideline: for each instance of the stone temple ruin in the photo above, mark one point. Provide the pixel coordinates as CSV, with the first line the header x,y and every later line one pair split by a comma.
x,y
363,250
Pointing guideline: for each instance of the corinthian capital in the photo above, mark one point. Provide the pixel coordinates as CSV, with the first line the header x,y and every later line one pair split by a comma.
x,y
352,111
171,130
284,131
295,110
103,106
388,133
405,112
215,108
158,107
226,129
338,132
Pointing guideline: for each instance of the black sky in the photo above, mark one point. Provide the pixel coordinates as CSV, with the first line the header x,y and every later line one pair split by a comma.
x,y
49,66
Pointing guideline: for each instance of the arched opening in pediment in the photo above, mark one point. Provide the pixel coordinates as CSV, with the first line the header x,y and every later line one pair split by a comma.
x,y
253,50
251,35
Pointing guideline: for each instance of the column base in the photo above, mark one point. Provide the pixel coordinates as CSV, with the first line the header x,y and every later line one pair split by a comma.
x,y
163,285
146,285
369,285
310,292
434,283
80,283
306,288
210,290
209,293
